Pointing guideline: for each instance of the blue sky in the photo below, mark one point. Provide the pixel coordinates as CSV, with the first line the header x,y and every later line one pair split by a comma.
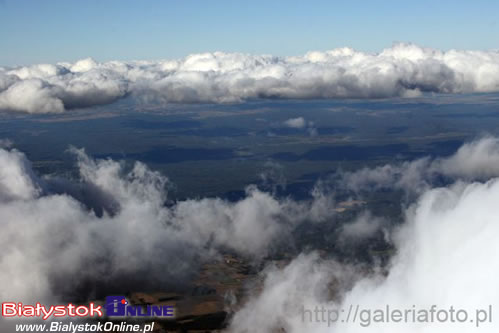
x,y
35,31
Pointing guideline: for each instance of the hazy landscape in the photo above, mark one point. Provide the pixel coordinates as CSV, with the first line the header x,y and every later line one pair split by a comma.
x,y
311,176
277,167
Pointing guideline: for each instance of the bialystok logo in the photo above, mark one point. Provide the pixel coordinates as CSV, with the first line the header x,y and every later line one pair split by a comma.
x,y
117,306
10,309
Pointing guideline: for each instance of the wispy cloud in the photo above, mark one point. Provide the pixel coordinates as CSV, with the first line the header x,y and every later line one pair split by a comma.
x,y
114,222
442,259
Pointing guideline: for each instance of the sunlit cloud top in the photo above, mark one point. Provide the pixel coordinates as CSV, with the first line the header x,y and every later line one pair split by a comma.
x,y
404,70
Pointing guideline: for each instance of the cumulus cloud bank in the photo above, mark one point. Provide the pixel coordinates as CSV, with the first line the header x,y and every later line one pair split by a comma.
x,y
110,230
114,223
402,70
444,257
475,160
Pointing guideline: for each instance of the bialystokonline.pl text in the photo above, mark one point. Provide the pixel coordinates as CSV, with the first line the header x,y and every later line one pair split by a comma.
x,y
356,314
57,326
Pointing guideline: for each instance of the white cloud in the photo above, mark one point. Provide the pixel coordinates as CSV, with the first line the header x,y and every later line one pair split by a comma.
x,y
403,70
302,283
364,226
301,123
17,180
444,257
115,224
296,122
6,143
475,160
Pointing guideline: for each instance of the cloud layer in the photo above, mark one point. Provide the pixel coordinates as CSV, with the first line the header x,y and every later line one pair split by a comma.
x,y
445,252
475,160
110,230
403,70
445,257
66,238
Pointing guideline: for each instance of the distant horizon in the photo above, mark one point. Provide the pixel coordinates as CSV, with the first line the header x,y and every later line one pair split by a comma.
x,y
35,32
283,56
